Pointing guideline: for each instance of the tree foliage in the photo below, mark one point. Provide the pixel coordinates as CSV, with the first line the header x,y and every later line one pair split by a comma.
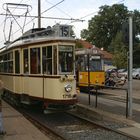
x,y
119,51
78,45
136,19
104,31
136,56
104,26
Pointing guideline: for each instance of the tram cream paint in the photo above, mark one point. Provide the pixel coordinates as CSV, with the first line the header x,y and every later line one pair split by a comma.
x,y
9,82
35,87
52,89
52,86
17,82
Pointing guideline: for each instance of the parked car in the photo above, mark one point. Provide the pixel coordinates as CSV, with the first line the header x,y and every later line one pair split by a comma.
x,y
136,73
121,70
111,70
123,73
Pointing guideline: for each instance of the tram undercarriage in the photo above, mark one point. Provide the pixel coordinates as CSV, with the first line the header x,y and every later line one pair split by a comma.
x,y
24,100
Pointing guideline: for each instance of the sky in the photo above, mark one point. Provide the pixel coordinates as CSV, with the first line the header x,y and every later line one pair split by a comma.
x,y
68,9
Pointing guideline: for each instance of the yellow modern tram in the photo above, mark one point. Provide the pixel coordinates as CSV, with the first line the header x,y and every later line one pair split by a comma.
x,y
89,69
39,67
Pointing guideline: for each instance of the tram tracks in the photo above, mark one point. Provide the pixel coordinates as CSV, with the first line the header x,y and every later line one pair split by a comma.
x,y
69,126
43,128
109,125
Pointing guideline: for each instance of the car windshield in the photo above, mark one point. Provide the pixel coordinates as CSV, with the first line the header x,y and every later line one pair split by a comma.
x,y
121,70
137,70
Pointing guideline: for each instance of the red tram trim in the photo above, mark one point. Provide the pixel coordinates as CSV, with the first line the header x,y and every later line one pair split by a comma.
x,y
32,75
48,101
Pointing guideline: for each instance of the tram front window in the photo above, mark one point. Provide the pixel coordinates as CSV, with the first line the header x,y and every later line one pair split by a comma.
x,y
65,60
95,65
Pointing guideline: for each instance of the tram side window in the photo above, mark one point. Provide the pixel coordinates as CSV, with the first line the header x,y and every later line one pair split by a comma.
x,y
47,60
11,62
2,63
17,61
5,63
26,61
8,62
35,60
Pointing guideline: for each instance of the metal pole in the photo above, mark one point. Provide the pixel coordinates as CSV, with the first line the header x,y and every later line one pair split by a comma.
x,y
96,98
126,103
88,77
130,67
39,14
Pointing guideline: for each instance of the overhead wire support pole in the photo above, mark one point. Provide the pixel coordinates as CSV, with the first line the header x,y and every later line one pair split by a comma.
x,y
39,14
130,67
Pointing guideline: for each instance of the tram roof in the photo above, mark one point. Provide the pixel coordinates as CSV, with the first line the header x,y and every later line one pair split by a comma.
x,y
56,32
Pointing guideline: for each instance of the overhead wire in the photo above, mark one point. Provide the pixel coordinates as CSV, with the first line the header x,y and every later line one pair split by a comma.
x,y
41,13
60,9
48,17
12,11
53,6
92,13
63,12
10,19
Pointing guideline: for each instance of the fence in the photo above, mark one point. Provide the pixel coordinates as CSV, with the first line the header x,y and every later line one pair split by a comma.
x,y
96,88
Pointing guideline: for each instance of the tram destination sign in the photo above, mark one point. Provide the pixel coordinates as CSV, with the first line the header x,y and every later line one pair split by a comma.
x,y
95,57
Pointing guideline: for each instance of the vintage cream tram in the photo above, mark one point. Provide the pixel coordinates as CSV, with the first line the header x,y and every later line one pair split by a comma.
x,y
39,67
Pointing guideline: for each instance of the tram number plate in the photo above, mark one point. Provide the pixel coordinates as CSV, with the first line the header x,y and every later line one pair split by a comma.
x,y
67,96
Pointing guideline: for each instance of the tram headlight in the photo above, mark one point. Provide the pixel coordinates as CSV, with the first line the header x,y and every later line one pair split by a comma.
x,y
68,88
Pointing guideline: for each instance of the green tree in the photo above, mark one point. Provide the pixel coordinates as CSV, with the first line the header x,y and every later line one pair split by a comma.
x,y
136,19
103,32
119,51
78,44
136,56
103,27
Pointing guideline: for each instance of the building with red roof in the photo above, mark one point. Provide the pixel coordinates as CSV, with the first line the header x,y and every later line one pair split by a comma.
x,y
107,57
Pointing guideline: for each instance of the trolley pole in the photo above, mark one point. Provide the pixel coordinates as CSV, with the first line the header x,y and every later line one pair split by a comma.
x,y
39,14
130,67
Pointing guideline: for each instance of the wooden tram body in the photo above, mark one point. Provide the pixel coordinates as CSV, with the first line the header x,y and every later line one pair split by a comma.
x,y
89,67
39,68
